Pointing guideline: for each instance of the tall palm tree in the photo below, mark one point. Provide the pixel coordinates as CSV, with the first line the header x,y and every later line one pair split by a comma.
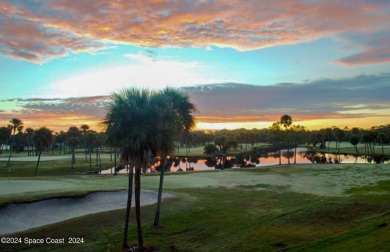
x,y
178,103
286,121
275,134
90,140
298,135
84,129
16,124
42,139
382,138
140,121
29,134
72,143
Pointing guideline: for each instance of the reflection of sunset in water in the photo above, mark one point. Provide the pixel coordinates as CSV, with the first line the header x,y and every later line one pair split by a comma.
x,y
194,164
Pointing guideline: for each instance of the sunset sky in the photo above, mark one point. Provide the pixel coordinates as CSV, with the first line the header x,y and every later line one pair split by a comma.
x,y
243,63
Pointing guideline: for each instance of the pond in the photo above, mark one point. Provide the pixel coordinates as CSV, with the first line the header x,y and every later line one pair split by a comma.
x,y
19,217
272,158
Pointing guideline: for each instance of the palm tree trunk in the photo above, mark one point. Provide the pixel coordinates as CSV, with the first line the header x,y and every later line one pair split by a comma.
x,y
90,158
39,159
9,157
280,154
288,154
160,190
128,207
138,206
73,158
295,154
383,154
114,161
100,158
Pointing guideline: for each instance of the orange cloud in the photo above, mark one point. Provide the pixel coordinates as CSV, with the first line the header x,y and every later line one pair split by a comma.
x,y
53,28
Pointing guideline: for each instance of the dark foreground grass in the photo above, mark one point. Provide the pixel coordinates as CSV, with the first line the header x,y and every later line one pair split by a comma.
x,y
238,219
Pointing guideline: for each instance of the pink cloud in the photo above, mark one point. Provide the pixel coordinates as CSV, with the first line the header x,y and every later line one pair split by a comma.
x,y
57,27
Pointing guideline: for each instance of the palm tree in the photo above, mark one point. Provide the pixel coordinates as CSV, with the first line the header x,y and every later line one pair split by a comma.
x,y
382,138
225,143
90,140
286,121
354,140
29,134
72,143
84,128
275,134
5,135
298,132
140,121
42,140
16,124
183,110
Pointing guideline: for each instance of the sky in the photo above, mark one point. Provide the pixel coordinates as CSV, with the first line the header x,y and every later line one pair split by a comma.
x,y
244,63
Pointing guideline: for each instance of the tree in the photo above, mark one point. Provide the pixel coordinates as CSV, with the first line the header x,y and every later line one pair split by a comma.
x,y
29,134
339,136
5,135
286,121
73,142
225,143
183,121
84,128
42,140
90,140
140,122
354,140
298,136
275,134
382,138
16,124
211,149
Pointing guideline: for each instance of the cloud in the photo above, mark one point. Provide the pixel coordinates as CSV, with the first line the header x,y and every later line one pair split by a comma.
x,y
153,74
362,96
40,30
376,49
58,114
147,56
354,100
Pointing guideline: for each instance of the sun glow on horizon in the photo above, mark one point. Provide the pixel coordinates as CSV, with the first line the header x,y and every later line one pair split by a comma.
x,y
314,124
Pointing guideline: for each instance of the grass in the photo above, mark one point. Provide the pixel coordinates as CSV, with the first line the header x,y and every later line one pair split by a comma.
x,y
347,148
221,219
198,151
59,167
287,208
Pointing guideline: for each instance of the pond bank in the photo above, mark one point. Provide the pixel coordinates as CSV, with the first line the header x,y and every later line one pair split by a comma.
x,y
19,217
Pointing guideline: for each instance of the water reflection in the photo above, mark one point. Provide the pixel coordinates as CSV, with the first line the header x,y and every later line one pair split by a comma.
x,y
298,156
